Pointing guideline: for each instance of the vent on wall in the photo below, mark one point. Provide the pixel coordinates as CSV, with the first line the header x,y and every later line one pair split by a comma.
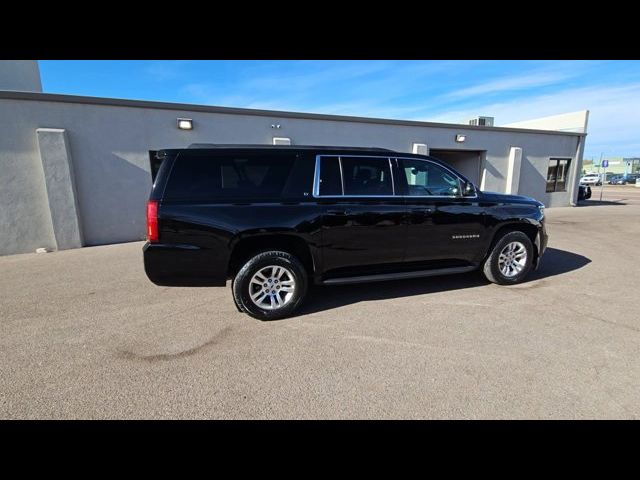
x,y
420,149
482,121
281,141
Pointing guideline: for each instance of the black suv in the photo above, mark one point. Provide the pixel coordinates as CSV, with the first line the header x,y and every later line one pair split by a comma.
x,y
273,219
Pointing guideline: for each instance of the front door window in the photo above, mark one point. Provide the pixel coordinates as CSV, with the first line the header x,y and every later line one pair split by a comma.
x,y
429,179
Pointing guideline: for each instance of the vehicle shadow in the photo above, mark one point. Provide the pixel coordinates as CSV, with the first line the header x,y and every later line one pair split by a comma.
x,y
321,298
598,203
556,262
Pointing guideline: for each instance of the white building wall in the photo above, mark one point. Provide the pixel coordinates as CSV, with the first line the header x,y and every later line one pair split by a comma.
x,y
20,75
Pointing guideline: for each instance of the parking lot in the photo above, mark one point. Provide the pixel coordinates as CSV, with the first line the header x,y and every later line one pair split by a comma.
x,y
84,334
628,194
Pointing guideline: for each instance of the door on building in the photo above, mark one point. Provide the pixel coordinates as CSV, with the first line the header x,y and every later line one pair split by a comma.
x,y
467,162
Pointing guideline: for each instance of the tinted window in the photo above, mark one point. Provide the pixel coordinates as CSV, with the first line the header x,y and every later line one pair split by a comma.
x,y
366,176
428,178
198,177
330,181
154,163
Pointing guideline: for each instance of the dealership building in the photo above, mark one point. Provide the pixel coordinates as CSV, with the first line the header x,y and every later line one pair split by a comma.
x,y
75,170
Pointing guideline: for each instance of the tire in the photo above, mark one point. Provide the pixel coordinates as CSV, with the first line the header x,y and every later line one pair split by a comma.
x,y
235,300
280,270
492,266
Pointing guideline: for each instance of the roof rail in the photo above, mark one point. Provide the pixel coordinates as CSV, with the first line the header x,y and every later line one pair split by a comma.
x,y
291,147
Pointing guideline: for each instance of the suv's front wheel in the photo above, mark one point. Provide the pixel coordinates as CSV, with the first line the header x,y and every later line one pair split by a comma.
x,y
270,285
510,259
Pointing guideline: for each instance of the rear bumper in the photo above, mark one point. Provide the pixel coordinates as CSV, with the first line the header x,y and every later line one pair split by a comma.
x,y
172,265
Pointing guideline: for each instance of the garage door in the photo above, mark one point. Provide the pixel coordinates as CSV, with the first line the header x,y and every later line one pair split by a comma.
x,y
467,162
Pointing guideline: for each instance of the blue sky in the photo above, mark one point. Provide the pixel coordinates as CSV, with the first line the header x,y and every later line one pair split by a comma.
x,y
444,91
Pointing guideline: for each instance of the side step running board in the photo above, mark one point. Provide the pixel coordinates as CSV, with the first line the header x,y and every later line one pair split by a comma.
x,y
397,276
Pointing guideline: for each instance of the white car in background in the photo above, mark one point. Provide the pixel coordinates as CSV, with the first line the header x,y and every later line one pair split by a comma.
x,y
591,179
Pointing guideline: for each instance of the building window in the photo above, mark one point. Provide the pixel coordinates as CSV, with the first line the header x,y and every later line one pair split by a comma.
x,y
557,174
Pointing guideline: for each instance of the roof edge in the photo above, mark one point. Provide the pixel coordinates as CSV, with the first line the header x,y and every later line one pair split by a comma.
x,y
120,102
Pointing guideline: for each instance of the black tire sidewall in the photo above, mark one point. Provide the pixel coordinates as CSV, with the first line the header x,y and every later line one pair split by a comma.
x,y
261,260
495,254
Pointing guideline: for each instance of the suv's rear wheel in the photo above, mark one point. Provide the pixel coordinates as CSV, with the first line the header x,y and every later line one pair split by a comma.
x,y
270,285
510,259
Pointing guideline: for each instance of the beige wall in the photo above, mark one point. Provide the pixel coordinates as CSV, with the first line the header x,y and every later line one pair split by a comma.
x,y
566,122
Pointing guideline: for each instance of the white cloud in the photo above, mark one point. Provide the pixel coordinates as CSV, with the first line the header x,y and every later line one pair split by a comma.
x,y
166,69
541,74
614,118
532,80
353,88
402,90
289,78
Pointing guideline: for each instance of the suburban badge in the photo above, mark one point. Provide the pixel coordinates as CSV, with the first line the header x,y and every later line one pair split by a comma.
x,y
464,237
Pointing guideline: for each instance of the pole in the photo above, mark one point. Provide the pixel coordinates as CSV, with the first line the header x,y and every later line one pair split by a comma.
x,y
605,177
600,164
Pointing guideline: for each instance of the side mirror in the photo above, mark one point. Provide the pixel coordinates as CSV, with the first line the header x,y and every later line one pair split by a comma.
x,y
468,189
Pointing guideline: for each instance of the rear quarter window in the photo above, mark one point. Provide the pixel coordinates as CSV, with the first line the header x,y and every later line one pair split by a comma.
x,y
202,177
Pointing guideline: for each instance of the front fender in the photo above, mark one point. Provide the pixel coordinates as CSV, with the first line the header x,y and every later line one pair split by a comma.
x,y
528,218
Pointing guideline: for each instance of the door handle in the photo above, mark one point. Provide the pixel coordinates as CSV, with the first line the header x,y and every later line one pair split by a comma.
x,y
339,212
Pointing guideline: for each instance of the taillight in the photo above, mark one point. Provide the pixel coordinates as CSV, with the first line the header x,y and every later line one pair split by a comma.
x,y
152,221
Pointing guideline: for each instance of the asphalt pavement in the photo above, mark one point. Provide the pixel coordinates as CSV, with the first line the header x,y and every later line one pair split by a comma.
x,y
84,334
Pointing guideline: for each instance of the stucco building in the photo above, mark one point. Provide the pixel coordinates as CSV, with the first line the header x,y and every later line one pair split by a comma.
x,y
75,170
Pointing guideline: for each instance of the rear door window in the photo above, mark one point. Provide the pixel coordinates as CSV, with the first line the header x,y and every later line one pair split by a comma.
x,y
202,177
366,176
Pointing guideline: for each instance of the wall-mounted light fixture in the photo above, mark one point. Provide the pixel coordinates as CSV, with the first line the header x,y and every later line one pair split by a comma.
x,y
185,124
281,141
420,149
460,138
277,126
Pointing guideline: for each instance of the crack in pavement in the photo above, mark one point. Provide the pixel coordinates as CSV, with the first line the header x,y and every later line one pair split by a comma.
x,y
130,355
